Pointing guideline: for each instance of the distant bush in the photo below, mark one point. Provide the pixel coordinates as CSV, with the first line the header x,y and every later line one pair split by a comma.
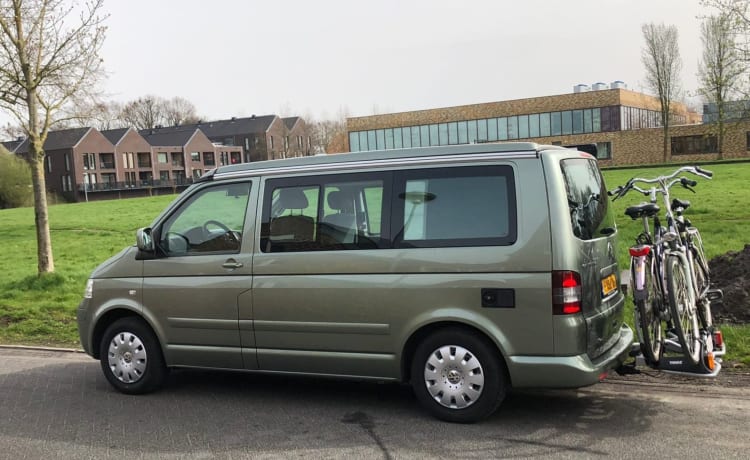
x,y
15,182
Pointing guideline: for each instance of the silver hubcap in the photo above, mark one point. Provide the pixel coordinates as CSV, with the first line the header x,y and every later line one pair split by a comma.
x,y
127,357
454,377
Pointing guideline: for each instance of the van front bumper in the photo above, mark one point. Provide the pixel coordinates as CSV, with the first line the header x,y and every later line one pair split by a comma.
x,y
83,320
568,371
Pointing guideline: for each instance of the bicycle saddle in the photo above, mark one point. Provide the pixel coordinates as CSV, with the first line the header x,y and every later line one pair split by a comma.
x,y
641,210
677,203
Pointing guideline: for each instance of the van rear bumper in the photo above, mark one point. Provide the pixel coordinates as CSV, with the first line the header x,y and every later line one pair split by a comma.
x,y
567,371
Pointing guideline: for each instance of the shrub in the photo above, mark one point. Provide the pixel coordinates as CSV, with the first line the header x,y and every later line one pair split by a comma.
x,y
15,182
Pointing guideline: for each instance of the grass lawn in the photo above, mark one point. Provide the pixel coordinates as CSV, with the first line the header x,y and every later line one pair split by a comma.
x,y
41,311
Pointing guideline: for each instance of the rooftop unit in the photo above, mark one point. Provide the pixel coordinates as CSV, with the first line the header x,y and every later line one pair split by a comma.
x,y
581,88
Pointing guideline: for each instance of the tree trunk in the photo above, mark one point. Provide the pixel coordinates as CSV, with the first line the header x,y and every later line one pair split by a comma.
x,y
46,263
666,145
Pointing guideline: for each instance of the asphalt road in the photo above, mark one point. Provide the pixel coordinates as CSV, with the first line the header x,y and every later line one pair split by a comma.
x,y
58,405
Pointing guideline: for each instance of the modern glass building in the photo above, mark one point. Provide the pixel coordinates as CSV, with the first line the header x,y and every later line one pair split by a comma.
x,y
590,117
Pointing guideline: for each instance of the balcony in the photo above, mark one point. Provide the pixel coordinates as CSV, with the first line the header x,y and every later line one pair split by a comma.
x,y
140,184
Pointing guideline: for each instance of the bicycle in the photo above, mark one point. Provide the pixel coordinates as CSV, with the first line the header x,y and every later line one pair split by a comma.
x,y
669,273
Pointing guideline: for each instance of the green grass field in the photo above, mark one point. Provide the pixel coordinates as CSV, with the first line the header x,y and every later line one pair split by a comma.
x,y
41,311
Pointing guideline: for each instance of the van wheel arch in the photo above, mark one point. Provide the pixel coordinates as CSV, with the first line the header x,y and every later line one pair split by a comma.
x,y
407,353
110,317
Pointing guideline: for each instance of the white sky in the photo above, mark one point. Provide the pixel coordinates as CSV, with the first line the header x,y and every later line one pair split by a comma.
x,y
315,57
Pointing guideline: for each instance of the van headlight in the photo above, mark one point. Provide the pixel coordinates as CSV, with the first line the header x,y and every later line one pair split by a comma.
x,y
89,291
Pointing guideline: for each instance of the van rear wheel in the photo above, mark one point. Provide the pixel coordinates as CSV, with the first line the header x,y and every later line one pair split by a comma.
x,y
131,358
458,376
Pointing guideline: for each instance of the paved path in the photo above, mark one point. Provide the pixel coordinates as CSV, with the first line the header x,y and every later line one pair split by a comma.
x,y
58,405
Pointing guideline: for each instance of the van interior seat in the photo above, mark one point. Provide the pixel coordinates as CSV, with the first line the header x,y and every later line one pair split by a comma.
x,y
341,226
292,228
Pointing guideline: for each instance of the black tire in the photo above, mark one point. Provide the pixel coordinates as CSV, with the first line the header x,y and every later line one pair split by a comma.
x,y
131,357
479,360
684,315
702,281
648,319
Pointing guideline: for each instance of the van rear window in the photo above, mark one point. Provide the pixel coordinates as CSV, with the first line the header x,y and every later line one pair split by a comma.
x,y
590,213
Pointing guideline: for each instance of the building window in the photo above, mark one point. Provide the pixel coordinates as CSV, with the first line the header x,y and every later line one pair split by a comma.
x,y
544,124
604,150
567,122
534,125
556,123
271,142
247,144
397,138
164,175
687,145
89,161
195,156
49,163
107,160
523,126
67,162
178,161
144,160
162,158
197,173
472,127
354,142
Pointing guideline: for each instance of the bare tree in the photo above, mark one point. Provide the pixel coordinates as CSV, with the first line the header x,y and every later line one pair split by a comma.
x,y
661,57
179,111
144,113
49,62
720,69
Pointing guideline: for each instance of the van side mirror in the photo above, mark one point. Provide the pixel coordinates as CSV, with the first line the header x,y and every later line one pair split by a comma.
x,y
143,239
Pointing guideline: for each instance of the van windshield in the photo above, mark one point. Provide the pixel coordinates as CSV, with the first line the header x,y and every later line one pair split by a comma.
x,y
590,212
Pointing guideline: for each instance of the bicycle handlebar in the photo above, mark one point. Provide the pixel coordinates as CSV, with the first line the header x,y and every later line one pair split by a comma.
x,y
622,190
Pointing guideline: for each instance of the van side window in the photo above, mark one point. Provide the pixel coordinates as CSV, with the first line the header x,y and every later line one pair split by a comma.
x,y
458,206
209,222
590,213
324,213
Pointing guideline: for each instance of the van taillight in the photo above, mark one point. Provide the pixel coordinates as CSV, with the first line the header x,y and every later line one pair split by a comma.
x,y
566,292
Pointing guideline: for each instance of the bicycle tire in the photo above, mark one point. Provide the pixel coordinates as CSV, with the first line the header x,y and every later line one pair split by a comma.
x,y
684,316
702,278
648,319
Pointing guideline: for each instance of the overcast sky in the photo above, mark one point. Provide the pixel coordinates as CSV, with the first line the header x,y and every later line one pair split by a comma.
x,y
295,57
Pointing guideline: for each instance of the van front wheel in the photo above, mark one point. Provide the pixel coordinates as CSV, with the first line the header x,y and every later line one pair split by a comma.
x,y
131,358
458,376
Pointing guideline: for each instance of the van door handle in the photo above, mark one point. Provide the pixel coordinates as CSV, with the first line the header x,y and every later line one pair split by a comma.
x,y
231,264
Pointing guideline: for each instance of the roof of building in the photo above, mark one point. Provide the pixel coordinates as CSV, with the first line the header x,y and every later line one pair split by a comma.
x,y
12,146
60,139
158,138
290,122
115,135
222,128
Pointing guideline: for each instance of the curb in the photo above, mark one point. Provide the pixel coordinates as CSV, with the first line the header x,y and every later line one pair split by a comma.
x,y
35,348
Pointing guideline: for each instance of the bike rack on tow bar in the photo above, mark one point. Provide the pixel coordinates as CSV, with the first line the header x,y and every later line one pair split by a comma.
x,y
673,359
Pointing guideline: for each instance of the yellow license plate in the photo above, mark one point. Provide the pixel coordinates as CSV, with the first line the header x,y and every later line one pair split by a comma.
x,y
609,285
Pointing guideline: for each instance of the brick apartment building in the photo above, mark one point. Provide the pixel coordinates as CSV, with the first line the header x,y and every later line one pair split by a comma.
x,y
266,137
624,125
88,164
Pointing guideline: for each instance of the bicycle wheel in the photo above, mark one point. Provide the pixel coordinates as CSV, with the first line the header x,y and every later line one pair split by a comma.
x,y
702,278
700,265
684,317
647,318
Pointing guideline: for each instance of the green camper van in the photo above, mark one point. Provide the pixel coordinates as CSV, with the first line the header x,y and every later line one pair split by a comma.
x,y
463,270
